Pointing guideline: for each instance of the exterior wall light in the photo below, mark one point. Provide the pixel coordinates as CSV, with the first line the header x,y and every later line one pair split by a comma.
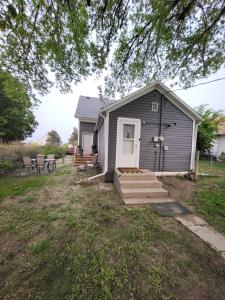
x,y
172,124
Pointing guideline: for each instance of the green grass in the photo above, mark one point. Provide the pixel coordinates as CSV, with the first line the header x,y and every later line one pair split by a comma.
x,y
84,244
214,168
209,196
209,201
14,186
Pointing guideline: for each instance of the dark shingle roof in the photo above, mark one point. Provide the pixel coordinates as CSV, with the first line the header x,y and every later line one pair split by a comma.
x,y
89,107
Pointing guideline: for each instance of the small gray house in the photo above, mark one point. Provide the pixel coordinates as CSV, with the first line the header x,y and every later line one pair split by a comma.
x,y
151,129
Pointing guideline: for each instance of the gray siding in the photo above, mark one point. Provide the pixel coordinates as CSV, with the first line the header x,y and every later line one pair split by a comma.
x,y
101,147
86,127
177,138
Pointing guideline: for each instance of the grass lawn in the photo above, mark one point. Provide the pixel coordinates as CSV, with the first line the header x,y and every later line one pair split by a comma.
x,y
206,197
214,168
209,197
61,241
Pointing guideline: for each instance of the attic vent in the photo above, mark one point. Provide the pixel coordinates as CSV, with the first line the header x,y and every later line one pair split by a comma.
x,y
155,106
88,97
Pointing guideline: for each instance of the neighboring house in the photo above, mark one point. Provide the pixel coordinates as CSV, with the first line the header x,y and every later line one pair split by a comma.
x,y
151,128
43,140
219,143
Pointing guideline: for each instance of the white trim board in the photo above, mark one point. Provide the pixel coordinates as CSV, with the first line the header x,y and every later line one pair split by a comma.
x,y
106,134
78,133
88,120
165,173
193,147
137,134
158,85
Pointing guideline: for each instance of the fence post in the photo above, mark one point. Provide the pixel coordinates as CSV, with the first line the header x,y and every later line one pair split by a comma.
x,y
197,162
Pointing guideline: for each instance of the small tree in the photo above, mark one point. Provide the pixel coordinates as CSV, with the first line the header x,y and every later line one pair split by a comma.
x,y
53,138
17,120
74,136
208,128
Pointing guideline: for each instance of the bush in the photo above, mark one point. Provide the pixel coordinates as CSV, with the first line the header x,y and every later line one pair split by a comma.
x,y
52,149
5,166
13,153
222,157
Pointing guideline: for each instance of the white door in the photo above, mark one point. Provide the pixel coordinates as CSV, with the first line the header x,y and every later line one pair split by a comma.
x,y
87,142
128,142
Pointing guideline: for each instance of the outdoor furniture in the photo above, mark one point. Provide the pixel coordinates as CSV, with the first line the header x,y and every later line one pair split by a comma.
x,y
41,163
79,151
28,164
94,164
51,161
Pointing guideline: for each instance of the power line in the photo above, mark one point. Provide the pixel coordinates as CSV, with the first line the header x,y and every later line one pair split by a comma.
x,y
207,82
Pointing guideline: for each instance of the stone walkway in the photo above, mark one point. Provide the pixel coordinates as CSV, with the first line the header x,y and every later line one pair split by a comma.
x,y
205,232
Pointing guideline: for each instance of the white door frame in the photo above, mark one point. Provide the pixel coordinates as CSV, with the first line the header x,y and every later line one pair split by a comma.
x,y
83,139
137,123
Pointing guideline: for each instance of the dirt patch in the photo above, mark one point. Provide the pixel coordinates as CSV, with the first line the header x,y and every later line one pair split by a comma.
x,y
178,188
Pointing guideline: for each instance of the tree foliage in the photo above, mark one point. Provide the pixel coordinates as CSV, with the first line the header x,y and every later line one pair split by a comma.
x,y
74,136
53,138
139,40
17,120
208,128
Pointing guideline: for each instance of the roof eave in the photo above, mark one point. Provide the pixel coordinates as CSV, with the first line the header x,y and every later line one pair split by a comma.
x,y
162,89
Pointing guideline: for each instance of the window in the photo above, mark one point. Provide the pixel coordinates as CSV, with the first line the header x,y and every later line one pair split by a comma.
x,y
155,106
128,138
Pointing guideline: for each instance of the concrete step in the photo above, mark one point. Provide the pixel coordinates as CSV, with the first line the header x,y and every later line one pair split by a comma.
x,y
141,202
144,193
147,183
141,176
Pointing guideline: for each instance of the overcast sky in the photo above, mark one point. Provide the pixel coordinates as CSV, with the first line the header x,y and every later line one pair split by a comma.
x,y
56,112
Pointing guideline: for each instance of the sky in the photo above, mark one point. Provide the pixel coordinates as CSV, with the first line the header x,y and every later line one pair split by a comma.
x,y
56,112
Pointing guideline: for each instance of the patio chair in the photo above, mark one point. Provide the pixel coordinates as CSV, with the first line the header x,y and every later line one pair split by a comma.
x,y
27,163
40,163
51,161
94,164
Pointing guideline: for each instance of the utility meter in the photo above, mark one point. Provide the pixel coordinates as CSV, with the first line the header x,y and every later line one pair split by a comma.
x,y
155,139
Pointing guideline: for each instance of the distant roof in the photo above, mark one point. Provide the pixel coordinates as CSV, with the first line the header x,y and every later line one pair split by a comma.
x,y
89,107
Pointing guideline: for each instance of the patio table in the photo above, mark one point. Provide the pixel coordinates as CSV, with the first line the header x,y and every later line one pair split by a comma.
x,y
47,160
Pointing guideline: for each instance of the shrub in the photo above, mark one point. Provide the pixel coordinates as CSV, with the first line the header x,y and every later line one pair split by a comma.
x,y
52,149
222,157
5,166
13,153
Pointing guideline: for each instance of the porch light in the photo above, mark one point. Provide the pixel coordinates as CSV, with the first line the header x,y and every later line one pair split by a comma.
x,y
172,124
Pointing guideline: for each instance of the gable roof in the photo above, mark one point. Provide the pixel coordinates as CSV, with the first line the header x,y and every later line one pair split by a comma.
x,y
164,90
89,107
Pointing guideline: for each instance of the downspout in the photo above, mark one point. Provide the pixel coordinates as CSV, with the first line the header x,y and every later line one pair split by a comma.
x,y
106,131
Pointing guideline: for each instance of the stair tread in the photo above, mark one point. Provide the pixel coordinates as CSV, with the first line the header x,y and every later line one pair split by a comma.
x,y
140,181
143,190
146,200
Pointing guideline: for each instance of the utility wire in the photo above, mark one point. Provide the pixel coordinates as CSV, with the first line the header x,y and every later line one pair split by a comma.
x,y
207,82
